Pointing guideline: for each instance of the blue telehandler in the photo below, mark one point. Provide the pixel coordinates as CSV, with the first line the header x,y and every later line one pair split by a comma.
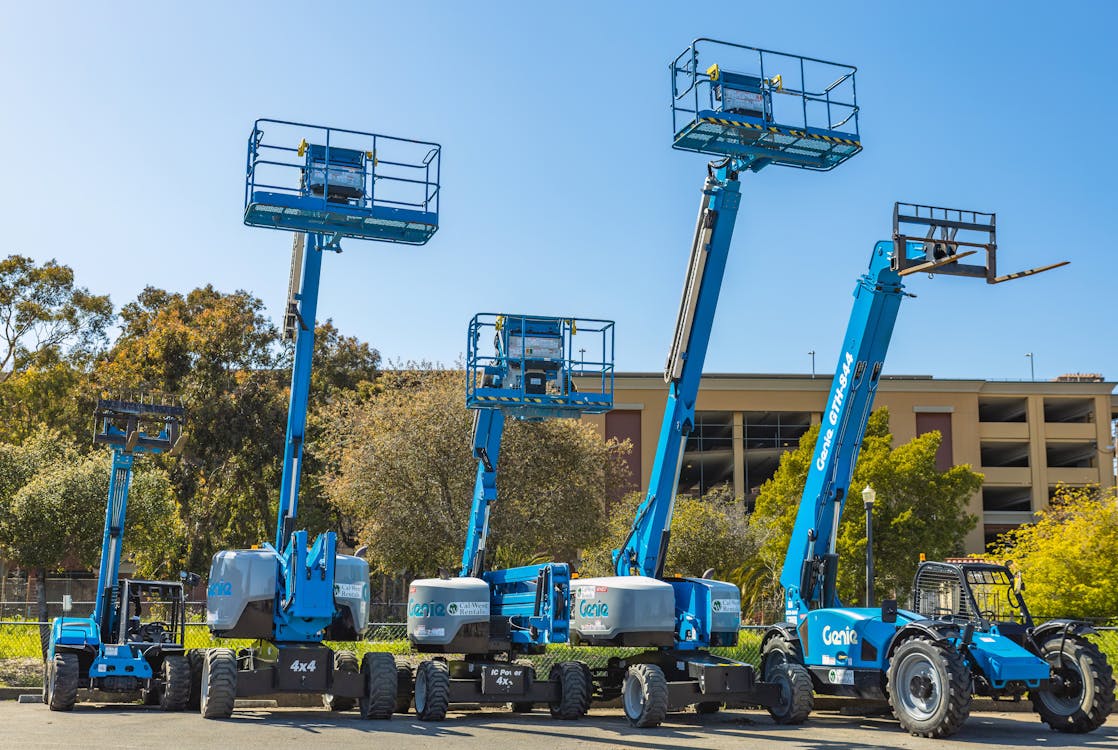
x,y
750,109
539,369
122,648
291,595
928,666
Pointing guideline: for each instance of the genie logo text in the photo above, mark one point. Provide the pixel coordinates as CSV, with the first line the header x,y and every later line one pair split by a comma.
x,y
844,637
593,609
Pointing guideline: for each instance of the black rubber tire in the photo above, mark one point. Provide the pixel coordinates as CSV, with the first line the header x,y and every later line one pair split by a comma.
x,y
62,689
797,694
574,690
174,690
219,684
46,680
1085,669
708,707
379,702
432,691
344,661
950,706
405,684
779,650
644,695
194,659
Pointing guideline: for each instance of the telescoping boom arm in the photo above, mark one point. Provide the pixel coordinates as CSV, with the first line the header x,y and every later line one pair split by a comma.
x,y
946,236
645,546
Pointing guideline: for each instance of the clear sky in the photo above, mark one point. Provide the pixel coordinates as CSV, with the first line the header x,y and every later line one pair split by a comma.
x,y
123,132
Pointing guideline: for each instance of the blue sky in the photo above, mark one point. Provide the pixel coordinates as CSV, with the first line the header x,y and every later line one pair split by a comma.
x,y
124,129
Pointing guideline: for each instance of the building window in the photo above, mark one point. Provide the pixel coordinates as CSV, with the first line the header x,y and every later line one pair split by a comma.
x,y
1003,410
1080,410
1070,455
1002,499
766,436
708,455
996,454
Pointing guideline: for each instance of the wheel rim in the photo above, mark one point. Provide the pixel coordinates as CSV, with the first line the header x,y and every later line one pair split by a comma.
x,y
780,677
51,681
919,686
1066,697
204,695
421,691
633,696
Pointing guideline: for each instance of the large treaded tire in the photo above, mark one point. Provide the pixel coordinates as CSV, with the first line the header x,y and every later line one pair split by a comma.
x,y
219,684
195,658
929,688
797,694
574,690
1086,671
405,684
644,695
174,692
344,661
432,691
62,686
379,702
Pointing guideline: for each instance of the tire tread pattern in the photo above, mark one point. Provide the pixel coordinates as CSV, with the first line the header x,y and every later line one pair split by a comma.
x,y
959,692
574,690
436,675
222,693
1102,688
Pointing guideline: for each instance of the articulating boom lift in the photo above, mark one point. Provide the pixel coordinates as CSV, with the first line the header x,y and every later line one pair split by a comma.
x,y
924,666
292,595
114,649
491,616
751,108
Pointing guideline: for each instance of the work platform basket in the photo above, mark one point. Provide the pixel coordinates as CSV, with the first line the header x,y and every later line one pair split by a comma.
x,y
763,107
540,367
308,178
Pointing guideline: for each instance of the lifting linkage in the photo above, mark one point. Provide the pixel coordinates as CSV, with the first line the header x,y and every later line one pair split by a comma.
x,y
919,664
730,111
294,594
492,616
113,649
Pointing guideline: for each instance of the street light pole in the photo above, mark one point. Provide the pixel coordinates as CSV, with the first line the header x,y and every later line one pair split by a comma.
x,y
812,353
868,496
1032,366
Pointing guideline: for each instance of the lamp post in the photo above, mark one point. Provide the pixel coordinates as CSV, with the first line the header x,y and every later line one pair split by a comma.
x,y
812,353
1032,366
868,496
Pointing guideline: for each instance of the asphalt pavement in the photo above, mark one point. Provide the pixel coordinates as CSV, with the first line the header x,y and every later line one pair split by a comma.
x,y
32,725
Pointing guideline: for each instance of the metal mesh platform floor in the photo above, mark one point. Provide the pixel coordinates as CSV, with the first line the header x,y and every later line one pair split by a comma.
x,y
751,139
310,214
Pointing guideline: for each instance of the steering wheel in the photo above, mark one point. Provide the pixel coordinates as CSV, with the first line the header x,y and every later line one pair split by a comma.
x,y
988,614
153,631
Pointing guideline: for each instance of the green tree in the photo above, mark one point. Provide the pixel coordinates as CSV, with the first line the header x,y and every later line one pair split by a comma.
x,y
50,332
918,509
403,473
1066,556
52,510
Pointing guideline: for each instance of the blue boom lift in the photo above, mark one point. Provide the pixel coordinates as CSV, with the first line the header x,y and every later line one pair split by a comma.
x,y
115,650
292,595
538,370
750,108
924,664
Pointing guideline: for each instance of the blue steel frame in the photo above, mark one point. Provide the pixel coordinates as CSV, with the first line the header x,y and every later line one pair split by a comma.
x,y
126,441
812,606
500,393
305,595
643,551
398,196
818,131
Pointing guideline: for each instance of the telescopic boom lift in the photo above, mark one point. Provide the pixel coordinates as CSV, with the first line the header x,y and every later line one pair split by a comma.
x,y
493,616
750,109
